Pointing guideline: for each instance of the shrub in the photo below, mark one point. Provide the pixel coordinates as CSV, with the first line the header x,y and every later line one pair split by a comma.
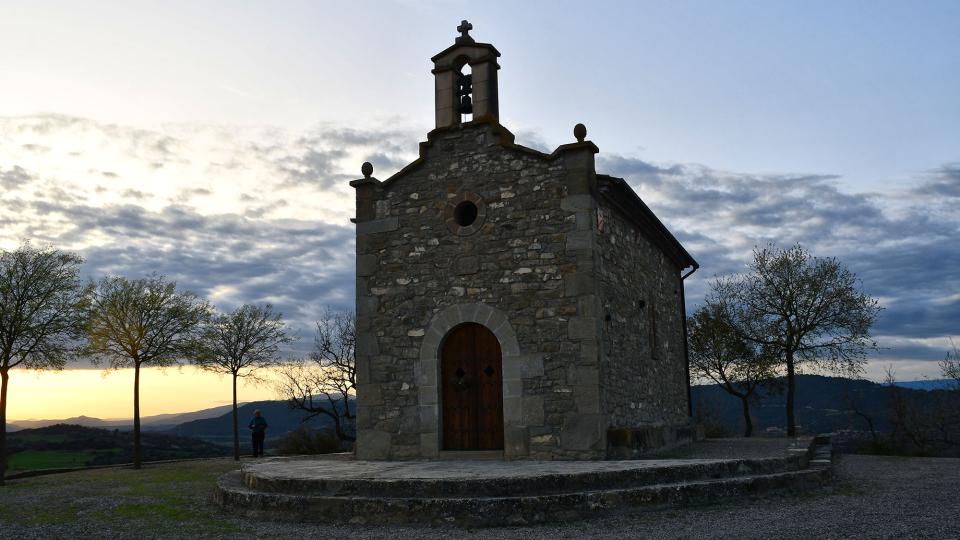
x,y
304,440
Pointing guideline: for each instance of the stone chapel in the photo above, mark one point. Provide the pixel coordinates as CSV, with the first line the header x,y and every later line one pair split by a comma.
x,y
513,303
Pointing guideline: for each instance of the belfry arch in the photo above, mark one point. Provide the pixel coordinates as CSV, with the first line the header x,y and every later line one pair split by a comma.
x,y
466,56
463,89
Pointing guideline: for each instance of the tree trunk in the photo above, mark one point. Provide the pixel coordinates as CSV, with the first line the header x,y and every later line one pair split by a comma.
x,y
136,415
791,390
873,432
747,423
4,379
338,425
236,430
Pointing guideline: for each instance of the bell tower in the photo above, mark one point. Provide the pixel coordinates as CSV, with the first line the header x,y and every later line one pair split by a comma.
x,y
465,76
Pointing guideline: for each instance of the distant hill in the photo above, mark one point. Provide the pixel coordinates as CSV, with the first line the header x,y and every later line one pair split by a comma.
x,y
213,425
280,417
180,418
159,422
85,421
823,404
65,445
937,384
13,427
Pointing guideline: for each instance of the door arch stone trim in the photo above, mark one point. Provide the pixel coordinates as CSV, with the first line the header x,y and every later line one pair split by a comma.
x,y
427,373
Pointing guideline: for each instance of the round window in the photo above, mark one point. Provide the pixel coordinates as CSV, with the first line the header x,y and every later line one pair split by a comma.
x,y
464,214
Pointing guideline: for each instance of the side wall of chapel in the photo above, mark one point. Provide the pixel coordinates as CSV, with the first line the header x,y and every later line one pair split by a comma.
x,y
643,376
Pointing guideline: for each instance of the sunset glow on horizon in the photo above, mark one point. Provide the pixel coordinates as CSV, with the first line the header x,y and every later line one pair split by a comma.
x,y
108,395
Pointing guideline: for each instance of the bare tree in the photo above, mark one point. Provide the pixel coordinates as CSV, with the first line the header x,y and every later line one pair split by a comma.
x,y
854,403
324,383
719,353
143,322
910,432
924,422
950,366
808,309
42,310
238,344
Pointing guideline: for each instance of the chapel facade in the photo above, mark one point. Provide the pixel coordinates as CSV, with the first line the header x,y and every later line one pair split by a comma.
x,y
510,301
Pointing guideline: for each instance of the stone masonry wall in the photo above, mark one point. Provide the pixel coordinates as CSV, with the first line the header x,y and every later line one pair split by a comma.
x,y
643,367
531,259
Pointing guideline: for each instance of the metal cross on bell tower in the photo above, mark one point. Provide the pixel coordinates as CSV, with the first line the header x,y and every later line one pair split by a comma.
x,y
464,29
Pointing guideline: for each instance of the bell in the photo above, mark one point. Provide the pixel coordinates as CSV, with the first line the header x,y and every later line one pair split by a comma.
x,y
466,83
466,105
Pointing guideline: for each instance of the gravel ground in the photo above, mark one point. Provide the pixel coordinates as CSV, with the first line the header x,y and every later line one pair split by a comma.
x,y
871,497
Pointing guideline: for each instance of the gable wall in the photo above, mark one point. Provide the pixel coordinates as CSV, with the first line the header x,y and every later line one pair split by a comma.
x,y
532,259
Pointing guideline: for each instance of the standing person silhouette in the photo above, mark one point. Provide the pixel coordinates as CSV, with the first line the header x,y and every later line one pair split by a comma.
x,y
259,428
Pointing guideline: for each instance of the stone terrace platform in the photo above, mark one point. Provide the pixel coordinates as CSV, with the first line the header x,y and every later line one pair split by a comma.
x,y
492,492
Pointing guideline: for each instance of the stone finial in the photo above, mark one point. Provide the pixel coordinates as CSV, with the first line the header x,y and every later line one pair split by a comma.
x,y
366,169
580,132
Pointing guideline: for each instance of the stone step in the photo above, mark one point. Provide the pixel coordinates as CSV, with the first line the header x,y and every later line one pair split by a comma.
x,y
549,478
479,511
460,455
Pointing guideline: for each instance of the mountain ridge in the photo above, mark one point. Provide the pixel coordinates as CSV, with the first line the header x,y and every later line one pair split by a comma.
x,y
823,404
160,421
280,417
212,425
927,384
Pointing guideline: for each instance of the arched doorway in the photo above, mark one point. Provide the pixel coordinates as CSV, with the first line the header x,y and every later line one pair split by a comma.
x,y
471,389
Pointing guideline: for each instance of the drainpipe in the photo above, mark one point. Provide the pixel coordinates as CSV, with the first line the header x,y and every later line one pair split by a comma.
x,y
686,348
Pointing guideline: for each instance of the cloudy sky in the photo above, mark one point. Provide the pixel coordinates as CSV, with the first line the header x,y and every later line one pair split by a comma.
x,y
213,141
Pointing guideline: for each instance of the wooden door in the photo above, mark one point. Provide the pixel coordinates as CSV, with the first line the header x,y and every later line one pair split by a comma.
x,y
472,389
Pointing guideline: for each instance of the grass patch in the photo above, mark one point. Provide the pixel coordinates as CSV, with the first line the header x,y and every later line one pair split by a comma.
x,y
155,515
51,516
48,459
157,501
